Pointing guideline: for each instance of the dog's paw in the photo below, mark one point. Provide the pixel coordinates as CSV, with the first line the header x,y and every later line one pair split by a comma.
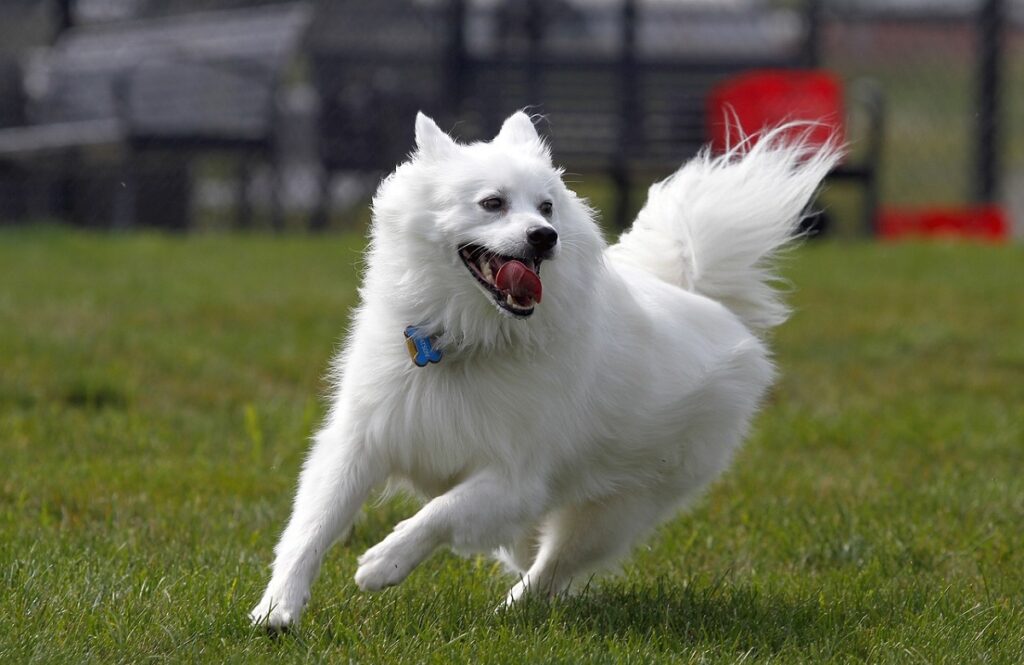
x,y
381,566
555,587
515,594
277,612
391,560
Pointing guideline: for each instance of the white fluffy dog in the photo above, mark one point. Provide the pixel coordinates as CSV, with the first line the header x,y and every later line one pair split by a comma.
x,y
551,426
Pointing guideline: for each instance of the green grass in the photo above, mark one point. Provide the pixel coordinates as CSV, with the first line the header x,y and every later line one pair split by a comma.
x,y
157,393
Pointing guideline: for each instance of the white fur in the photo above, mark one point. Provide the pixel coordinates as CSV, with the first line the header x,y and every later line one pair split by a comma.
x,y
557,441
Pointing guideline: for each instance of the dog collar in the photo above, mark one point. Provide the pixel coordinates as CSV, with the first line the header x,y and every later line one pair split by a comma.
x,y
421,347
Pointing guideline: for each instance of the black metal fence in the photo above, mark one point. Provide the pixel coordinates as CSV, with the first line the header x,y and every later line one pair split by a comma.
x,y
621,83
951,76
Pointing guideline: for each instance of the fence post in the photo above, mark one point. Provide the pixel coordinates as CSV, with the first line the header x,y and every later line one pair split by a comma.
x,y
65,16
989,35
65,186
535,42
457,60
628,125
812,43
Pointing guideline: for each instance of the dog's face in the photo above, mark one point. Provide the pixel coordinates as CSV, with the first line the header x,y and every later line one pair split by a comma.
x,y
498,208
482,223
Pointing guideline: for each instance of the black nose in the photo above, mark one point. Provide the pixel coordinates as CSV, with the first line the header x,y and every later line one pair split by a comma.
x,y
542,238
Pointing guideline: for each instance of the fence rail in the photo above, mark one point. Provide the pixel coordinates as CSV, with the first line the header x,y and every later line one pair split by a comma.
x,y
952,72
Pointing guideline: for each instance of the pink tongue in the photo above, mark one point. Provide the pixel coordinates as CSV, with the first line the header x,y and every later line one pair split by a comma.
x,y
518,280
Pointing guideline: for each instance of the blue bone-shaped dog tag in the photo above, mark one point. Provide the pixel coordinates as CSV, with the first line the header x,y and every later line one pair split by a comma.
x,y
421,349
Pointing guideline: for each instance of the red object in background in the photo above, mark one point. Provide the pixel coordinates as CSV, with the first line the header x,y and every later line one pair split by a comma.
x,y
984,222
766,98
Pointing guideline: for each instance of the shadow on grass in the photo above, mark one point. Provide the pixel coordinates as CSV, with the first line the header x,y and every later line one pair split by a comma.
x,y
742,616
94,396
726,620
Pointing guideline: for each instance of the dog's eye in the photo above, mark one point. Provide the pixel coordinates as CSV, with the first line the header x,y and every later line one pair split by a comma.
x,y
492,204
545,208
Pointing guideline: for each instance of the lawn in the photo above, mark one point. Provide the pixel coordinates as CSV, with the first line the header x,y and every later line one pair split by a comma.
x,y
157,393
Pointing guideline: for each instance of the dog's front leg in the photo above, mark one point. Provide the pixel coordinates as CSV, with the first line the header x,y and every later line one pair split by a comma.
x,y
335,481
485,511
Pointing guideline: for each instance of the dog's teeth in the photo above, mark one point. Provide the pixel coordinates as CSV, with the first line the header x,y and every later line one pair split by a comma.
x,y
510,300
485,268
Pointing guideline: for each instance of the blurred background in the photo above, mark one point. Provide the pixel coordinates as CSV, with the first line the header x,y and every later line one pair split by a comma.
x,y
216,114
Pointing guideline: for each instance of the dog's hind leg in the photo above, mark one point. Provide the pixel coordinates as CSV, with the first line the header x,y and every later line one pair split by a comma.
x,y
520,553
335,481
580,540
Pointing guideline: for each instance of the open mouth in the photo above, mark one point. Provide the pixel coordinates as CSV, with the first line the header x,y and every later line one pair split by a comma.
x,y
513,282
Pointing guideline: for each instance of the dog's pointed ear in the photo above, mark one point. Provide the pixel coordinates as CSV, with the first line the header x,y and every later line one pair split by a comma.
x,y
518,129
431,142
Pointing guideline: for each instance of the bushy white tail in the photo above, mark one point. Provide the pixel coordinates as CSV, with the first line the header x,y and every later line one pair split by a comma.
x,y
714,226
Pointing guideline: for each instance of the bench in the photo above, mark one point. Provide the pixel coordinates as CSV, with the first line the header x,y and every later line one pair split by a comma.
x,y
746,104
623,90
137,101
